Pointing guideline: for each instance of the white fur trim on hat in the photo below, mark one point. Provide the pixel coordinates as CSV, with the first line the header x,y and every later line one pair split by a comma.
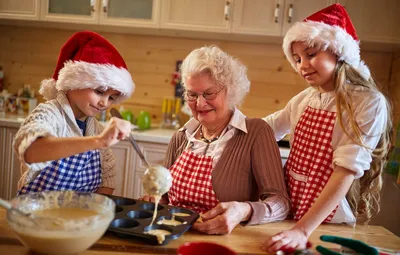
x,y
48,89
325,37
82,75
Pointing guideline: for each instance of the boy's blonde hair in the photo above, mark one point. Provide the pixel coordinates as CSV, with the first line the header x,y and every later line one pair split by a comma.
x,y
364,194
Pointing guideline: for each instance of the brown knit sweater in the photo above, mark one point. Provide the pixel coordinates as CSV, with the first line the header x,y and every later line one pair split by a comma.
x,y
249,170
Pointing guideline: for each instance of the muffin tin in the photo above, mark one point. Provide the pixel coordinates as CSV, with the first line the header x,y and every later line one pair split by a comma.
x,y
133,217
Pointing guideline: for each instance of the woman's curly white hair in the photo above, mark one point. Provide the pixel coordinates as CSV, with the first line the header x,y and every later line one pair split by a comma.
x,y
223,69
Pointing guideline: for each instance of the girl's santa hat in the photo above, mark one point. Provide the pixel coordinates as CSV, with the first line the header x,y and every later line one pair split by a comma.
x,y
329,28
87,60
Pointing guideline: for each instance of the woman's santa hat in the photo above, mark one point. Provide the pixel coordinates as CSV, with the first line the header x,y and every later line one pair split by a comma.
x,y
87,60
329,28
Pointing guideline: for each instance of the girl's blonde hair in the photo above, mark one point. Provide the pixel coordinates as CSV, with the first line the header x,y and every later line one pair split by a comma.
x,y
225,71
364,194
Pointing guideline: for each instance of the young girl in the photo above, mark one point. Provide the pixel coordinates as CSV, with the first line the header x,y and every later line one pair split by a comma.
x,y
339,129
61,146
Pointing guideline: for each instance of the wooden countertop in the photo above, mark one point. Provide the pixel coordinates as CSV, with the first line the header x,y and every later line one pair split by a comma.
x,y
244,240
11,120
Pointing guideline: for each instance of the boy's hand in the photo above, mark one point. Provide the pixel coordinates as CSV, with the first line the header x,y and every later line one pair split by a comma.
x,y
116,130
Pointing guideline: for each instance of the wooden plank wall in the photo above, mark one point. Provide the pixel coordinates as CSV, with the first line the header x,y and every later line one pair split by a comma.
x,y
29,54
395,87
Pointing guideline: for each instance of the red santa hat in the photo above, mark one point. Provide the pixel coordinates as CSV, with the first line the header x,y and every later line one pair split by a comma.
x,y
329,28
87,60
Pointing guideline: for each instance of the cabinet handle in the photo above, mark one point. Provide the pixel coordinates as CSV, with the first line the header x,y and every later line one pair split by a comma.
x,y
92,2
226,10
276,13
290,13
105,5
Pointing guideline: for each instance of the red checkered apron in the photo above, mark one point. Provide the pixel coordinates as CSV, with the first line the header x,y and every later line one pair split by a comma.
x,y
191,182
309,165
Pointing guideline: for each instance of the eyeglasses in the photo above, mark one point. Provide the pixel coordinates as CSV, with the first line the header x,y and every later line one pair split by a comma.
x,y
192,96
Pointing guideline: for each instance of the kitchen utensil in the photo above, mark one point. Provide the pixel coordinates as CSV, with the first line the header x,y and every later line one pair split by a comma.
x,y
115,113
348,245
156,179
133,217
75,233
7,205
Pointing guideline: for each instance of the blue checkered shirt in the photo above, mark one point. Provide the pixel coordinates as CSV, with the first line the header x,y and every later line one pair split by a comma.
x,y
80,172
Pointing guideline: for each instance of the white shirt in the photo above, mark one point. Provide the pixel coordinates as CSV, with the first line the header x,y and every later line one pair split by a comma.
x,y
216,148
370,113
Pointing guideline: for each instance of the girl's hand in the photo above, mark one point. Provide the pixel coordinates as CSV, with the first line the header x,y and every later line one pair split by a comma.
x,y
287,240
116,130
223,218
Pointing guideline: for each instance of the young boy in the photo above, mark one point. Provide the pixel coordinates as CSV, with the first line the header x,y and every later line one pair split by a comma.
x,y
61,146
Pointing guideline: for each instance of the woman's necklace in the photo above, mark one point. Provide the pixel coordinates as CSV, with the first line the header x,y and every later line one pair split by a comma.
x,y
205,139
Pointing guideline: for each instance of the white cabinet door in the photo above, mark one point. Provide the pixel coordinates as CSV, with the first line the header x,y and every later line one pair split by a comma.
x,y
12,165
19,9
272,17
133,13
198,15
375,21
71,11
298,10
138,187
155,155
124,179
260,17
2,162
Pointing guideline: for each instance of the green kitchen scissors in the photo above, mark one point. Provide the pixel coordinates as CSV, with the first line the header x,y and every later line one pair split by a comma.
x,y
356,245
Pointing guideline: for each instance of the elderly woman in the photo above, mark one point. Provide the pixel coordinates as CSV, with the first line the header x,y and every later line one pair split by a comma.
x,y
223,164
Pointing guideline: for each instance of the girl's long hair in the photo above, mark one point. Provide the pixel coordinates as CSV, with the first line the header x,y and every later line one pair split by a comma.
x,y
364,194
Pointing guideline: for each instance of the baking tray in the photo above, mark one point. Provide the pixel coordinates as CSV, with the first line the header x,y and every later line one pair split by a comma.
x,y
133,217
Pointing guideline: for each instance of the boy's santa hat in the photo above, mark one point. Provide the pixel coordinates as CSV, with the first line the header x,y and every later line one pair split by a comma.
x,y
87,60
329,28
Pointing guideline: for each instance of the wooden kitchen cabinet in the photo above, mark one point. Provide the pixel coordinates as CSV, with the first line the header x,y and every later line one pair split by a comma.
x,y
375,21
130,168
298,10
259,17
197,15
9,164
21,9
134,13
70,11
139,13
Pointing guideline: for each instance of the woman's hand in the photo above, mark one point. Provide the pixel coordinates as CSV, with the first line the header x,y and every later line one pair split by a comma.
x,y
149,198
116,130
289,239
223,218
